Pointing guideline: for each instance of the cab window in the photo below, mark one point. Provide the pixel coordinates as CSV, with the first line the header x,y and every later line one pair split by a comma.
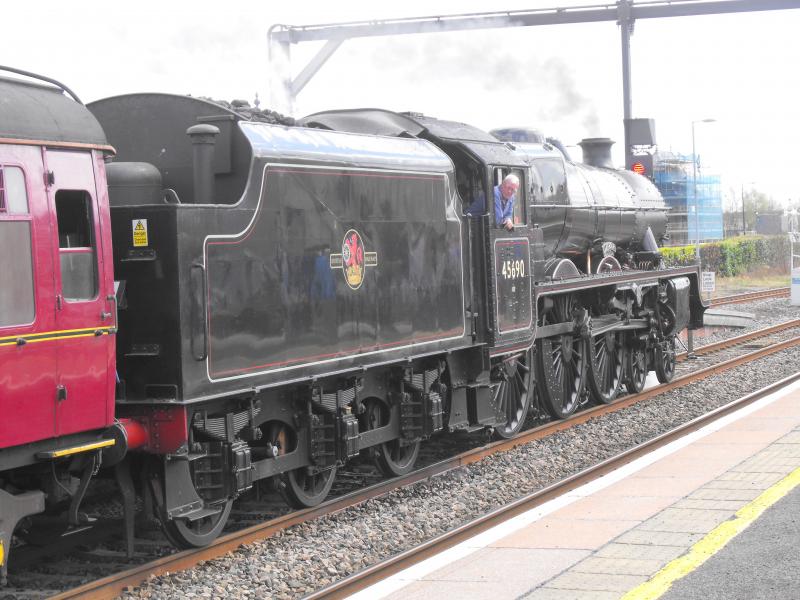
x,y
16,257
519,197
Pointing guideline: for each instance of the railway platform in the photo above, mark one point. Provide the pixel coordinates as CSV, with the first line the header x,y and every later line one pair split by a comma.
x,y
712,515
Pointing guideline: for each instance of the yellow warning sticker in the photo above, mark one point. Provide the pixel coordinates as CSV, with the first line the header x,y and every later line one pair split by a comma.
x,y
1,554
139,232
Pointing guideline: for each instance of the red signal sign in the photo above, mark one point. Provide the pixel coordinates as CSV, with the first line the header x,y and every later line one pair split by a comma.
x,y
638,168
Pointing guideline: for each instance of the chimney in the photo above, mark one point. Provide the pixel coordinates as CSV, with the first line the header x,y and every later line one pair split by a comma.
x,y
203,137
597,152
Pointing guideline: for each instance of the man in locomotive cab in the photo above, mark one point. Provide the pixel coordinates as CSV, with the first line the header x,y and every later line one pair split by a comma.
x,y
504,197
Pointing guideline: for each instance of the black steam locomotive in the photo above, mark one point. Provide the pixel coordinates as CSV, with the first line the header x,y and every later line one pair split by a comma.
x,y
291,297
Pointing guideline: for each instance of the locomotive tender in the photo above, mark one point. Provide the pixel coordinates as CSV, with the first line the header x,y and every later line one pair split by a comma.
x,y
217,300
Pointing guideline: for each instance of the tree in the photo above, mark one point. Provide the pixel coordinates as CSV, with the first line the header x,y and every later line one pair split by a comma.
x,y
754,202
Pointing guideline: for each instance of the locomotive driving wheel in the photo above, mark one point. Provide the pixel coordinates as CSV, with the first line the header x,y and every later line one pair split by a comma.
x,y
606,362
394,458
665,360
561,362
636,367
511,383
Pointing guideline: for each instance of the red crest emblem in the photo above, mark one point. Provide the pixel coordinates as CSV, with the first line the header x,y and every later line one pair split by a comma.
x,y
354,259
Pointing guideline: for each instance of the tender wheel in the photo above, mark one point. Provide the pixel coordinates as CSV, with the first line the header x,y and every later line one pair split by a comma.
x,y
304,488
636,362
511,381
392,458
665,360
606,361
561,362
184,533
201,532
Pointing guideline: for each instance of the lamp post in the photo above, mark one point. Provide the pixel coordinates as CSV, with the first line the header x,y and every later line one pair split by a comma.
x,y
690,337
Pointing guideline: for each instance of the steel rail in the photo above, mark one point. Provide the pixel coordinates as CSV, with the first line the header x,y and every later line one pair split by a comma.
x,y
750,296
741,339
380,571
113,585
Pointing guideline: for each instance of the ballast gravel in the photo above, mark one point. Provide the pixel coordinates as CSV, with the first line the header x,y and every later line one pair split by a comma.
x,y
770,311
309,556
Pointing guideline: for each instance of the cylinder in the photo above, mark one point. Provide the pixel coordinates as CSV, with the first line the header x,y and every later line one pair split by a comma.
x,y
203,137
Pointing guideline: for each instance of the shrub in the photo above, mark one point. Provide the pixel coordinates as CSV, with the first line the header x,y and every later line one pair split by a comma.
x,y
733,256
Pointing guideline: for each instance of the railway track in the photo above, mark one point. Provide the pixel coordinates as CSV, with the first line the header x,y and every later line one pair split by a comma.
x,y
404,560
761,336
769,340
750,296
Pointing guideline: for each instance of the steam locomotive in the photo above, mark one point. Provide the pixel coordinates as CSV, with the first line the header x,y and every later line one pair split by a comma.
x,y
201,300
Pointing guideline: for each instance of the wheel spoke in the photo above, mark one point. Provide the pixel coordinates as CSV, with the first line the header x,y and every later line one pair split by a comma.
x,y
511,405
558,364
512,399
567,384
502,396
523,385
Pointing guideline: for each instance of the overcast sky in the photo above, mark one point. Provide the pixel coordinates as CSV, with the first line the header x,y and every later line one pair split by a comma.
x,y
742,70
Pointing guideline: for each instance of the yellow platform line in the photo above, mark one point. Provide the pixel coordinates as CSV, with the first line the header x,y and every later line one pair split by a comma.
x,y
713,542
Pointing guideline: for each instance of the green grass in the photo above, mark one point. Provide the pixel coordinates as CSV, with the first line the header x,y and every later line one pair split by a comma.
x,y
761,278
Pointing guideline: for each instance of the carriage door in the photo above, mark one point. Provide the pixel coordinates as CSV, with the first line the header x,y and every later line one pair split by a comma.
x,y
512,266
82,313
27,370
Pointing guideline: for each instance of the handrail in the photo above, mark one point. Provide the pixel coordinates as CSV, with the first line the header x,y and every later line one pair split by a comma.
x,y
58,84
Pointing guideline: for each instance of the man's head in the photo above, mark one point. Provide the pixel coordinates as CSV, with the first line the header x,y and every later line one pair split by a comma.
x,y
509,186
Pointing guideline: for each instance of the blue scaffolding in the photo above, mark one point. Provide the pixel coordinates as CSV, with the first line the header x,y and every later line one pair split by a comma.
x,y
674,177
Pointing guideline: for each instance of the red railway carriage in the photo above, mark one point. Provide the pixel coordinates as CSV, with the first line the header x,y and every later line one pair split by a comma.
x,y
57,303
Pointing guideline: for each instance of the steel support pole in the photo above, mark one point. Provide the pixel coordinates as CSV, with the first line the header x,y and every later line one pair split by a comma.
x,y
690,333
280,75
320,58
694,196
624,12
625,28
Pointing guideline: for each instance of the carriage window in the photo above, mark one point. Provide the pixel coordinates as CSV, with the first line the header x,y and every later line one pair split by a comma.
x,y
13,196
76,245
16,258
16,265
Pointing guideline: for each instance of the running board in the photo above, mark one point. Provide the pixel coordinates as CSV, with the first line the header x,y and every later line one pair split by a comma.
x,y
51,454
600,326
